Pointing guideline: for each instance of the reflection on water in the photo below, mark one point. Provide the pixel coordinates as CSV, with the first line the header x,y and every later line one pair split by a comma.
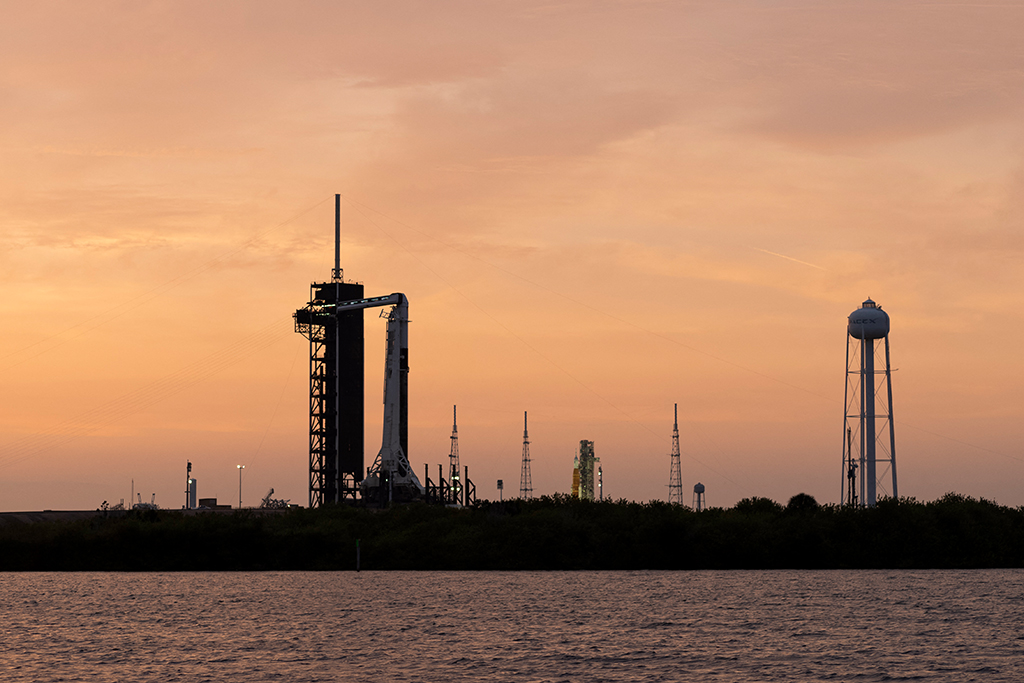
x,y
529,626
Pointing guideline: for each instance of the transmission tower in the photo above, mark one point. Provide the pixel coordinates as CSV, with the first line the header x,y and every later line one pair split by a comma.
x,y
525,480
675,475
453,461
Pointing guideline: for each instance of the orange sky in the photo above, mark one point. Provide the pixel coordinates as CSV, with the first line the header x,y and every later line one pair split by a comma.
x,y
596,210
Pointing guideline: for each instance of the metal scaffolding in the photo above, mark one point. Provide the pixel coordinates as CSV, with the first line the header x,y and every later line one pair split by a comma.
x,y
335,392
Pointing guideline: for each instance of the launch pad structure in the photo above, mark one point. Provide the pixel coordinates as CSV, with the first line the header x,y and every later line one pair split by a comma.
x,y
458,490
584,466
336,411
332,321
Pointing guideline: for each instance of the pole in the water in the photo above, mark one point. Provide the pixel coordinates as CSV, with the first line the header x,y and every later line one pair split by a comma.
x,y
357,554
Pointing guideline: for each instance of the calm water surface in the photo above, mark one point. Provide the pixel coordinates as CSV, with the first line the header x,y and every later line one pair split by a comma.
x,y
572,626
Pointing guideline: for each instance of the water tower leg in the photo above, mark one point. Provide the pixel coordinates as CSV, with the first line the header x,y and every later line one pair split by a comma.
x,y
892,429
870,436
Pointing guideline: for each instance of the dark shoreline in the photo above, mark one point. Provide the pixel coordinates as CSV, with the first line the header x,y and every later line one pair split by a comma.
x,y
550,533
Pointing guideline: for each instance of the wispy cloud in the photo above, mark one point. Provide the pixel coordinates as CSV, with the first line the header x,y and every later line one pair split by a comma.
x,y
788,258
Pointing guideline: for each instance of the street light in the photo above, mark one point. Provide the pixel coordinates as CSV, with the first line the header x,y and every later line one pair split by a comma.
x,y
240,468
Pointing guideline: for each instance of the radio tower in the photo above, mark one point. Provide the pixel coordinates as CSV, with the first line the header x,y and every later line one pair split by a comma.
x,y
525,480
453,461
675,475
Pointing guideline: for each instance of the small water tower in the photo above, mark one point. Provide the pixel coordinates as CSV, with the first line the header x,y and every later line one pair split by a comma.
x,y
869,440
698,497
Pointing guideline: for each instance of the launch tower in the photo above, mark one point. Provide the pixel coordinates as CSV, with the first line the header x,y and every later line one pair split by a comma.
x,y
336,411
583,471
332,321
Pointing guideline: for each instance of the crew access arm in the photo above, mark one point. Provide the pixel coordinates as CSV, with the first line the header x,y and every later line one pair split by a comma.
x,y
390,477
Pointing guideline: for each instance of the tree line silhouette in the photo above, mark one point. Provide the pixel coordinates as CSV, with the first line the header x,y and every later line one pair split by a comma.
x,y
547,533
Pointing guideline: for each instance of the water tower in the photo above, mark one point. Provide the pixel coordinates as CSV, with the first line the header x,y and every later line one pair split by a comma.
x,y
869,440
699,502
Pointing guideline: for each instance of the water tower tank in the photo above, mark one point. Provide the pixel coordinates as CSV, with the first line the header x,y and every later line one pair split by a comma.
x,y
699,488
869,322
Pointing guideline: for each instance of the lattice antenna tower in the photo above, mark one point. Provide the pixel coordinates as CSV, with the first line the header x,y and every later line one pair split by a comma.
x,y
525,479
675,475
455,481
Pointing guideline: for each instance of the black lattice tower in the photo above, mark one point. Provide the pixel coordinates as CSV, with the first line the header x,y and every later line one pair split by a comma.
x,y
525,478
335,384
454,476
675,475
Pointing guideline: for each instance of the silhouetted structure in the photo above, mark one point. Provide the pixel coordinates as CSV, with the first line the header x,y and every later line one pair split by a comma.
x,y
584,466
525,478
332,320
868,426
454,483
675,474
190,487
699,502
336,412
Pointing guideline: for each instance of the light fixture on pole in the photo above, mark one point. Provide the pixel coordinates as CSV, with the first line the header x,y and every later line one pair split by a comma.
x,y
240,468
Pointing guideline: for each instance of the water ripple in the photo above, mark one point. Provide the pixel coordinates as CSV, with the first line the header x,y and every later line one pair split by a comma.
x,y
524,627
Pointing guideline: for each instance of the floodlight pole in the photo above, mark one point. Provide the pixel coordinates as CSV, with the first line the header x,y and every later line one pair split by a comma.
x,y
240,468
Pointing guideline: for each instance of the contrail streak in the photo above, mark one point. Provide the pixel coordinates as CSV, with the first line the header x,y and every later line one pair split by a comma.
x,y
789,258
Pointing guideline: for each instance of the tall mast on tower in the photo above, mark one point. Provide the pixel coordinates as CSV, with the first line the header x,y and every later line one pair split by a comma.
x,y
337,274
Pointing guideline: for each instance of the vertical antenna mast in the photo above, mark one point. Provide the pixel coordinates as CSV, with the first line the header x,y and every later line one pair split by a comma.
x,y
675,475
525,478
337,274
